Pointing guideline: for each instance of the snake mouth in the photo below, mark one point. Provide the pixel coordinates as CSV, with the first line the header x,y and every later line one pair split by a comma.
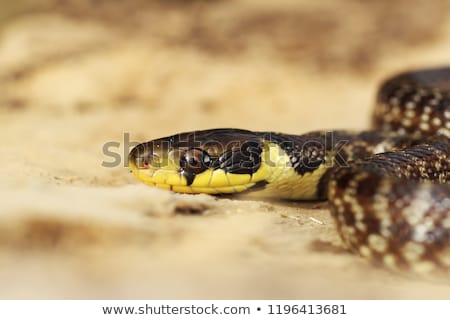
x,y
165,172
209,181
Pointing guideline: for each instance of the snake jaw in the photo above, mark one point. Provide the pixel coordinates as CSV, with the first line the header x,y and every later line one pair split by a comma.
x,y
211,161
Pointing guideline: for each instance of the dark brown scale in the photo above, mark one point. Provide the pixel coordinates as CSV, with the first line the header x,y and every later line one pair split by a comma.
x,y
432,87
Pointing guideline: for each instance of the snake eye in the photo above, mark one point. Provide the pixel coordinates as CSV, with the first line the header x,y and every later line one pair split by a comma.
x,y
195,160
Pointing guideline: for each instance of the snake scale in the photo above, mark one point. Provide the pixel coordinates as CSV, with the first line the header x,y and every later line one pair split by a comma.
x,y
388,188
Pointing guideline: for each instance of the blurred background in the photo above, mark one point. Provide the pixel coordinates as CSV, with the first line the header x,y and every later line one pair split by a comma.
x,y
76,74
193,64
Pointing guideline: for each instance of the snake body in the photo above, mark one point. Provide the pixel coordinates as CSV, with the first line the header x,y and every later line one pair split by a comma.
x,y
388,188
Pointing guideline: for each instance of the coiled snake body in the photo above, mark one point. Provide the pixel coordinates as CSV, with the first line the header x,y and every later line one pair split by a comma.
x,y
388,188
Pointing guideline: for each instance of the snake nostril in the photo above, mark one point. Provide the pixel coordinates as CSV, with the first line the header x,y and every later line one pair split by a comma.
x,y
144,163
148,161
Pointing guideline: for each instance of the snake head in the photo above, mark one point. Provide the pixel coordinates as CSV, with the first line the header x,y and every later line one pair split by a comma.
x,y
210,161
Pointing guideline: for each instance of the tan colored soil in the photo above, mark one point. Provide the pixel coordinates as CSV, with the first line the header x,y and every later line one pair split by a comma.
x,y
74,76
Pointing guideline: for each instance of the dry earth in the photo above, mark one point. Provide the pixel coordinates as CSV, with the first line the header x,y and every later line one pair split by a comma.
x,y
75,75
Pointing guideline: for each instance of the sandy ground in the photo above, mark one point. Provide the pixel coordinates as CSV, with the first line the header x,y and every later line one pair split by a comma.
x,y
76,75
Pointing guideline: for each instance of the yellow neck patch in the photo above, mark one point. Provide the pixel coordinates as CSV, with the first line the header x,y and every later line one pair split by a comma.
x,y
283,181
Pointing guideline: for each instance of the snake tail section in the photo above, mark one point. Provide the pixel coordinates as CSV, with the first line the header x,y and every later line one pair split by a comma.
x,y
393,208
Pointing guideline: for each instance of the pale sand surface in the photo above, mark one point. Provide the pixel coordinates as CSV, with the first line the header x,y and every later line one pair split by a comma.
x,y
74,77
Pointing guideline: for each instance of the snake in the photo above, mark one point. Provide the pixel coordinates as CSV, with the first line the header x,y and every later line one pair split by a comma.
x,y
388,187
